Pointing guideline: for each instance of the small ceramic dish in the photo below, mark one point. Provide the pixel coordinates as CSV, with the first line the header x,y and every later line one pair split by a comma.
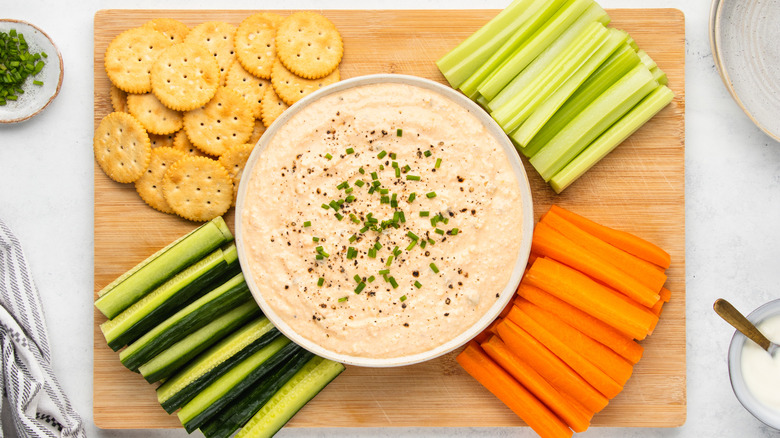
x,y
759,410
35,97
744,36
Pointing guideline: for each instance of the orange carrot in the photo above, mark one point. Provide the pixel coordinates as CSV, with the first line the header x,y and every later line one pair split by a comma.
x,y
621,239
551,367
594,328
484,335
591,373
548,242
611,363
514,395
665,294
533,382
584,293
644,271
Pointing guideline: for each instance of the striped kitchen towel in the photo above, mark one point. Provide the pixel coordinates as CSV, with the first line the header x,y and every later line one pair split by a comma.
x,y
40,408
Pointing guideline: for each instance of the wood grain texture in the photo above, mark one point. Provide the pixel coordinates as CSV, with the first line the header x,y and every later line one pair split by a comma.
x,y
639,188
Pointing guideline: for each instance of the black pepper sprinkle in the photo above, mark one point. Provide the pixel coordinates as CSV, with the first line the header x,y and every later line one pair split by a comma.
x,y
447,301
446,314
415,274
406,324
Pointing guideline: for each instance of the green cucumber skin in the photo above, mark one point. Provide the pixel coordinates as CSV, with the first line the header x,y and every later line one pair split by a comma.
x,y
258,373
185,325
185,395
169,369
238,413
181,299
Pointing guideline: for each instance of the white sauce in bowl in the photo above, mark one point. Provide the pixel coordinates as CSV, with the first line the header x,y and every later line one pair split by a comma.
x,y
761,371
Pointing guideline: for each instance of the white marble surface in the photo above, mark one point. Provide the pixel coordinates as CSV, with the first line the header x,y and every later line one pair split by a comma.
x,y
732,212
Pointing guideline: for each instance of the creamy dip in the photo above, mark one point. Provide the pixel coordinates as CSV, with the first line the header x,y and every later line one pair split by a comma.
x,y
409,258
761,371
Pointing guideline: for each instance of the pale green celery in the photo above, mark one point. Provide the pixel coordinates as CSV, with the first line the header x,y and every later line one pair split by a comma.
x,y
459,63
646,59
523,55
633,44
659,76
481,101
614,68
615,135
547,109
517,109
541,12
593,121
594,13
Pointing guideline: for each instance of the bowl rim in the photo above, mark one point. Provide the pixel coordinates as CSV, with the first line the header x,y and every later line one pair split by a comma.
x,y
59,78
745,397
523,253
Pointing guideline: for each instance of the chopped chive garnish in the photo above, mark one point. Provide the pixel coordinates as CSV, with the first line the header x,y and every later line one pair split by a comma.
x,y
350,151
423,243
438,163
325,206
381,154
431,241
412,178
428,153
412,196
403,298
454,232
378,246
384,272
417,284
321,281
411,245
357,278
360,183
393,282
439,231
392,155
315,239
431,195
342,299
37,82
371,279
399,133
352,238
349,190
364,229
334,205
395,164
307,224
343,185
425,213
384,200
350,198
397,172
319,257
434,268
322,252
372,253
339,216
374,176
328,156
412,236
402,216
351,253
396,251
384,191
376,184
389,261
381,167
362,171
360,287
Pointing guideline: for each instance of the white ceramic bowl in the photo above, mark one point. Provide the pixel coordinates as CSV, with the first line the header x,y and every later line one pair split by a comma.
x,y
522,256
763,413
35,97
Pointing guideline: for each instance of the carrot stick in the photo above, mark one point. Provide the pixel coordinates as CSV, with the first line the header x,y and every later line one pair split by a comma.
x,y
484,335
595,328
611,363
514,395
533,382
548,242
591,373
665,294
550,366
584,293
621,239
644,271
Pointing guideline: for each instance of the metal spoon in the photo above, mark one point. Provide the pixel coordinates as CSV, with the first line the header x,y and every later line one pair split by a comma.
x,y
732,316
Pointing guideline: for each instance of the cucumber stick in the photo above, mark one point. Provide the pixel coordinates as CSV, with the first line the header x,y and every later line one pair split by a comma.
x,y
229,387
164,264
530,49
303,386
174,357
175,293
616,134
207,367
241,410
197,314
540,12
520,81
462,61
593,121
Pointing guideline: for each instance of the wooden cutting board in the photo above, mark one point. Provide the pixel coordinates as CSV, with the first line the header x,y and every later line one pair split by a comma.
x,y
639,187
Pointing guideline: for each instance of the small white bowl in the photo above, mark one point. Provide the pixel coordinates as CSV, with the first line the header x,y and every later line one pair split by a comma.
x,y
763,413
527,222
35,97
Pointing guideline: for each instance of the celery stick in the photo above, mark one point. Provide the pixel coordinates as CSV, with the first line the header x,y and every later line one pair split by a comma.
x,y
545,111
616,134
594,13
633,44
481,101
517,109
594,120
542,11
659,76
614,68
646,59
523,55
463,60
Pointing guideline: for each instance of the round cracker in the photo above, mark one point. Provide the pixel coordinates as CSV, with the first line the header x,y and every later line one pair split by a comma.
x,y
118,99
174,30
226,120
129,58
217,37
272,107
183,143
122,147
185,76
291,88
234,160
149,186
156,117
255,48
162,141
309,45
257,132
198,188
248,86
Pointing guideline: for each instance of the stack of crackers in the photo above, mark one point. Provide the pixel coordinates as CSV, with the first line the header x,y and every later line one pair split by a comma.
x,y
190,104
